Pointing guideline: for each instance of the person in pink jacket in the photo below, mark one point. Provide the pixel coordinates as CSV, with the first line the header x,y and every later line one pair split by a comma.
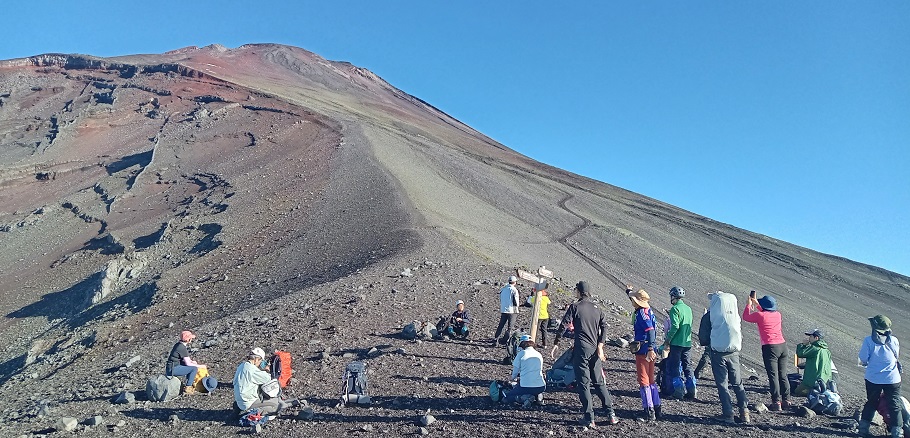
x,y
763,313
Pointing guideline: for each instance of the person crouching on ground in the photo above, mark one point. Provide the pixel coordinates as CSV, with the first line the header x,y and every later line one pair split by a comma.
x,y
818,362
543,316
527,368
646,357
247,379
775,355
458,322
879,354
180,364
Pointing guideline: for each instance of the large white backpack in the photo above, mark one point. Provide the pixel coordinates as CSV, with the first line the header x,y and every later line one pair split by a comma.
x,y
726,326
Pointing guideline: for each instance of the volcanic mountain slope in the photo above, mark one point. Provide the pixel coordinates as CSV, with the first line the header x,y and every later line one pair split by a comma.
x,y
264,195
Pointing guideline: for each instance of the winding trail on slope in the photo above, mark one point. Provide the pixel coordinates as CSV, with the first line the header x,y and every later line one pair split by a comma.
x,y
564,240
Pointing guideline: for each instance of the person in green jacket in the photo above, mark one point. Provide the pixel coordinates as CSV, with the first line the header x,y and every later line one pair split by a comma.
x,y
679,340
818,362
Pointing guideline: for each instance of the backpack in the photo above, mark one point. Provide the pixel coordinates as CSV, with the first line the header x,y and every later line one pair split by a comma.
x,y
726,331
354,381
497,390
825,402
512,347
562,373
253,417
280,364
204,383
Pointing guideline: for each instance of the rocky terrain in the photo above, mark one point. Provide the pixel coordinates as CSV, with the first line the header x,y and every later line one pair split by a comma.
x,y
266,196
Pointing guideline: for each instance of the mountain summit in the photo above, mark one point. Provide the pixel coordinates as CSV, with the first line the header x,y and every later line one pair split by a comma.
x,y
266,196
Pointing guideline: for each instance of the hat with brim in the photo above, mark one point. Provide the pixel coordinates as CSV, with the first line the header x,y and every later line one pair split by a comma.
x,y
210,383
880,322
640,298
768,303
815,332
524,338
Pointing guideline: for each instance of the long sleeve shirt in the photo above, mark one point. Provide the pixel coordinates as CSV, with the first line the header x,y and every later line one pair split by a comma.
x,y
528,365
645,329
589,323
246,384
680,330
508,299
769,325
880,360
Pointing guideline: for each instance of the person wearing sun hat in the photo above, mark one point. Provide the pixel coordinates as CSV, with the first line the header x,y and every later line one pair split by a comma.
x,y
775,355
180,364
880,355
645,357
247,380
527,368
818,362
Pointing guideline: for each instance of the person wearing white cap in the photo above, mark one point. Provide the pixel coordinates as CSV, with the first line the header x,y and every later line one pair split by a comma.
x,y
458,322
247,380
508,311
527,368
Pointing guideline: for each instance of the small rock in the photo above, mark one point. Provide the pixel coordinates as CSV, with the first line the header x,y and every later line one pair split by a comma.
x,y
121,423
124,398
174,419
805,412
426,420
374,352
366,428
306,414
97,420
759,408
133,360
324,355
44,411
349,355
211,343
67,424
424,431
406,273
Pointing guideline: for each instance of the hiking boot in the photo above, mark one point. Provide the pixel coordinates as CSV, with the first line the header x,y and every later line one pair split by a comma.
x,y
785,404
587,422
864,428
650,415
744,416
657,413
610,415
527,403
775,407
897,432
189,390
728,419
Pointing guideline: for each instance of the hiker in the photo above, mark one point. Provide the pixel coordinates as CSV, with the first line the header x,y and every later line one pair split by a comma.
x,y
543,316
508,311
679,341
879,354
645,327
458,322
818,362
720,331
590,329
527,368
180,364
705,359
249,377
775,355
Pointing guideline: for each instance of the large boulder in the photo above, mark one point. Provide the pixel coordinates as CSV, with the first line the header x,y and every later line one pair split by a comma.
x,y
163,388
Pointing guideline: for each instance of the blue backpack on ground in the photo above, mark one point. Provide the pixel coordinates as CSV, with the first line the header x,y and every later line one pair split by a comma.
x,y
253,417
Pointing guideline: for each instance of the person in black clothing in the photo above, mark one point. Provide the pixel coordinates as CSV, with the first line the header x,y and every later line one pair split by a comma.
x,y
180,364
590,326
458,322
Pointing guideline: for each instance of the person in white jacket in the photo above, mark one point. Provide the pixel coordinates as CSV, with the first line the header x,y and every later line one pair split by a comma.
x,y
508,311
527,368
247,380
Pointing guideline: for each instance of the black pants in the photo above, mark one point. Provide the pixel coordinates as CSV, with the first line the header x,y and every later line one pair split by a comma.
x,y
588,375
776,357
542,329
505,320
892,392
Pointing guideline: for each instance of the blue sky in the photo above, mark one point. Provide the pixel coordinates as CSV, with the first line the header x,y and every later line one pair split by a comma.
x,y
790,119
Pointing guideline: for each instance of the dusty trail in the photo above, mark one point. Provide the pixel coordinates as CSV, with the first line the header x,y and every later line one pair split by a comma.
x,y
564,240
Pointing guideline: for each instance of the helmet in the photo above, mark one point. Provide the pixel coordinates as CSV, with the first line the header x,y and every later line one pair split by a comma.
x,y
677,292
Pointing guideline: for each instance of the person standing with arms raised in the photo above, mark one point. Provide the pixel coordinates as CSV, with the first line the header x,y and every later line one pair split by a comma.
x,y
588,353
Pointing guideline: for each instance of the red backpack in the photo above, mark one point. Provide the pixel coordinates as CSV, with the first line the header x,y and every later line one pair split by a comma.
x,y
281,367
